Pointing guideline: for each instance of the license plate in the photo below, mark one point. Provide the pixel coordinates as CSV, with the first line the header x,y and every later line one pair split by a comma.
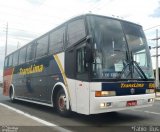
x,y
131,103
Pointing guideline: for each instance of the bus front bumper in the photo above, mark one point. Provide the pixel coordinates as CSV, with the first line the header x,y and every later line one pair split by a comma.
x,y
117,103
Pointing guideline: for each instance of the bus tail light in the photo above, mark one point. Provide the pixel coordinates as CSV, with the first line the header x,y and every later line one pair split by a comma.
x,y
104,93
149,91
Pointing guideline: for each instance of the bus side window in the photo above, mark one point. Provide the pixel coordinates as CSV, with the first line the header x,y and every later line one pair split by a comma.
x,y
42,47
15,58
76,31
81,64
6,62
10,60
56,40
30,52
22,55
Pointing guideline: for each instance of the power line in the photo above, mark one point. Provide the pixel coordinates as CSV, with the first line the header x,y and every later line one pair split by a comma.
x,y
21,38
23,30
151,27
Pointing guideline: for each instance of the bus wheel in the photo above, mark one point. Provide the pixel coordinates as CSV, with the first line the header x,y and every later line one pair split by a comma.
x,y
61,103
11,95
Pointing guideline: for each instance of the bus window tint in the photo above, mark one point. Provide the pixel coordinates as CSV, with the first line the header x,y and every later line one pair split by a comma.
x,y
22,55
6,62
30,52
81,65
42,47
15,58
56,40
76,31
10,60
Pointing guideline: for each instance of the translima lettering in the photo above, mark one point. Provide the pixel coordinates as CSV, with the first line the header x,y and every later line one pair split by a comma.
x,y
32,69
134,85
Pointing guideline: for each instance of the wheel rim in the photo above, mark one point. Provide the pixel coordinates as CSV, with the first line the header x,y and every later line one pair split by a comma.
x,y
62,102
12,96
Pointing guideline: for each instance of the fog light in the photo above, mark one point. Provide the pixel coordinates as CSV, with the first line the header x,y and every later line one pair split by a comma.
x,y
105,105
151,100
102,105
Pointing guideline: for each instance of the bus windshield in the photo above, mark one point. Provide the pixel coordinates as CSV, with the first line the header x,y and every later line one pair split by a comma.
x,y
114,40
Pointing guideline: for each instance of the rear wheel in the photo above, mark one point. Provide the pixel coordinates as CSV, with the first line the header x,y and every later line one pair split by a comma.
x,y
61,103
11,95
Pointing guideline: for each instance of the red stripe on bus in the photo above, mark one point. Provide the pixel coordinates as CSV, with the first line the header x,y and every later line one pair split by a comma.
x,y
7,80
8,71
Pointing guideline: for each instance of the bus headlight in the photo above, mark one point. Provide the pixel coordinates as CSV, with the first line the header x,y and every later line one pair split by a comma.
x,y
104,93
149,91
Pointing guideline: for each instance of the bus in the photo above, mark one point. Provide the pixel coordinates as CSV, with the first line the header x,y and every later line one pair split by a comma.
x,y
89,64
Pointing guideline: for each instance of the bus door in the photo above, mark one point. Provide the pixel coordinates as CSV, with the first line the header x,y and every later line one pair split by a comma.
x,y
29,67
39,80
28,84
82,84
40,68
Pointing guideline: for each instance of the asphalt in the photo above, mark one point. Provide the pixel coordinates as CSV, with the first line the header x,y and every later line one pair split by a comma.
x,y
11,118
14,120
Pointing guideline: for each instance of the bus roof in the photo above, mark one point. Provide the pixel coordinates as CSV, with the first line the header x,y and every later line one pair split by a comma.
x,y
79,16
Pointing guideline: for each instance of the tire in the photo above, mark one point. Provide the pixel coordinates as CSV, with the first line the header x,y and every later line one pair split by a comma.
x,y
11,95
61,103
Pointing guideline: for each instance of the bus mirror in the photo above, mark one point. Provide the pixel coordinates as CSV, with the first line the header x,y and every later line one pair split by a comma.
x,y
88,57
150,47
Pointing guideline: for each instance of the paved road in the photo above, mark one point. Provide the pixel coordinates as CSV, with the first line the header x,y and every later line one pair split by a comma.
x,y
140,117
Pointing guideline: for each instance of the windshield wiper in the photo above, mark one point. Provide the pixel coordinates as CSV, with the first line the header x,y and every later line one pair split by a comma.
x,y
140,69
132,65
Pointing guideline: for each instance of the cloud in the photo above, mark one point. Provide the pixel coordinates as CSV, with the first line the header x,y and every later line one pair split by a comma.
x,y
36,2
156,13
23,34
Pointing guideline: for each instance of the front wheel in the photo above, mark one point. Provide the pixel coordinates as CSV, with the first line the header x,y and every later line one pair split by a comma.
x,y
61,103
11,95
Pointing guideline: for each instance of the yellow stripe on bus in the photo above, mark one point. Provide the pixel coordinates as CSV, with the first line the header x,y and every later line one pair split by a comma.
x,y
62,72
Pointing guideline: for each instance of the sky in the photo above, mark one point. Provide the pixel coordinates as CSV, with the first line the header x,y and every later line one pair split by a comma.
x,y
28,19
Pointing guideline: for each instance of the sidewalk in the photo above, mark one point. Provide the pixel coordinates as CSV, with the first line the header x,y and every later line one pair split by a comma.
x,y
12,118
12,121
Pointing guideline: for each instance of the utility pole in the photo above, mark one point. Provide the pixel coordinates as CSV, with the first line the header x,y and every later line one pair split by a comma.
x,y
157,66
6,39
157,55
